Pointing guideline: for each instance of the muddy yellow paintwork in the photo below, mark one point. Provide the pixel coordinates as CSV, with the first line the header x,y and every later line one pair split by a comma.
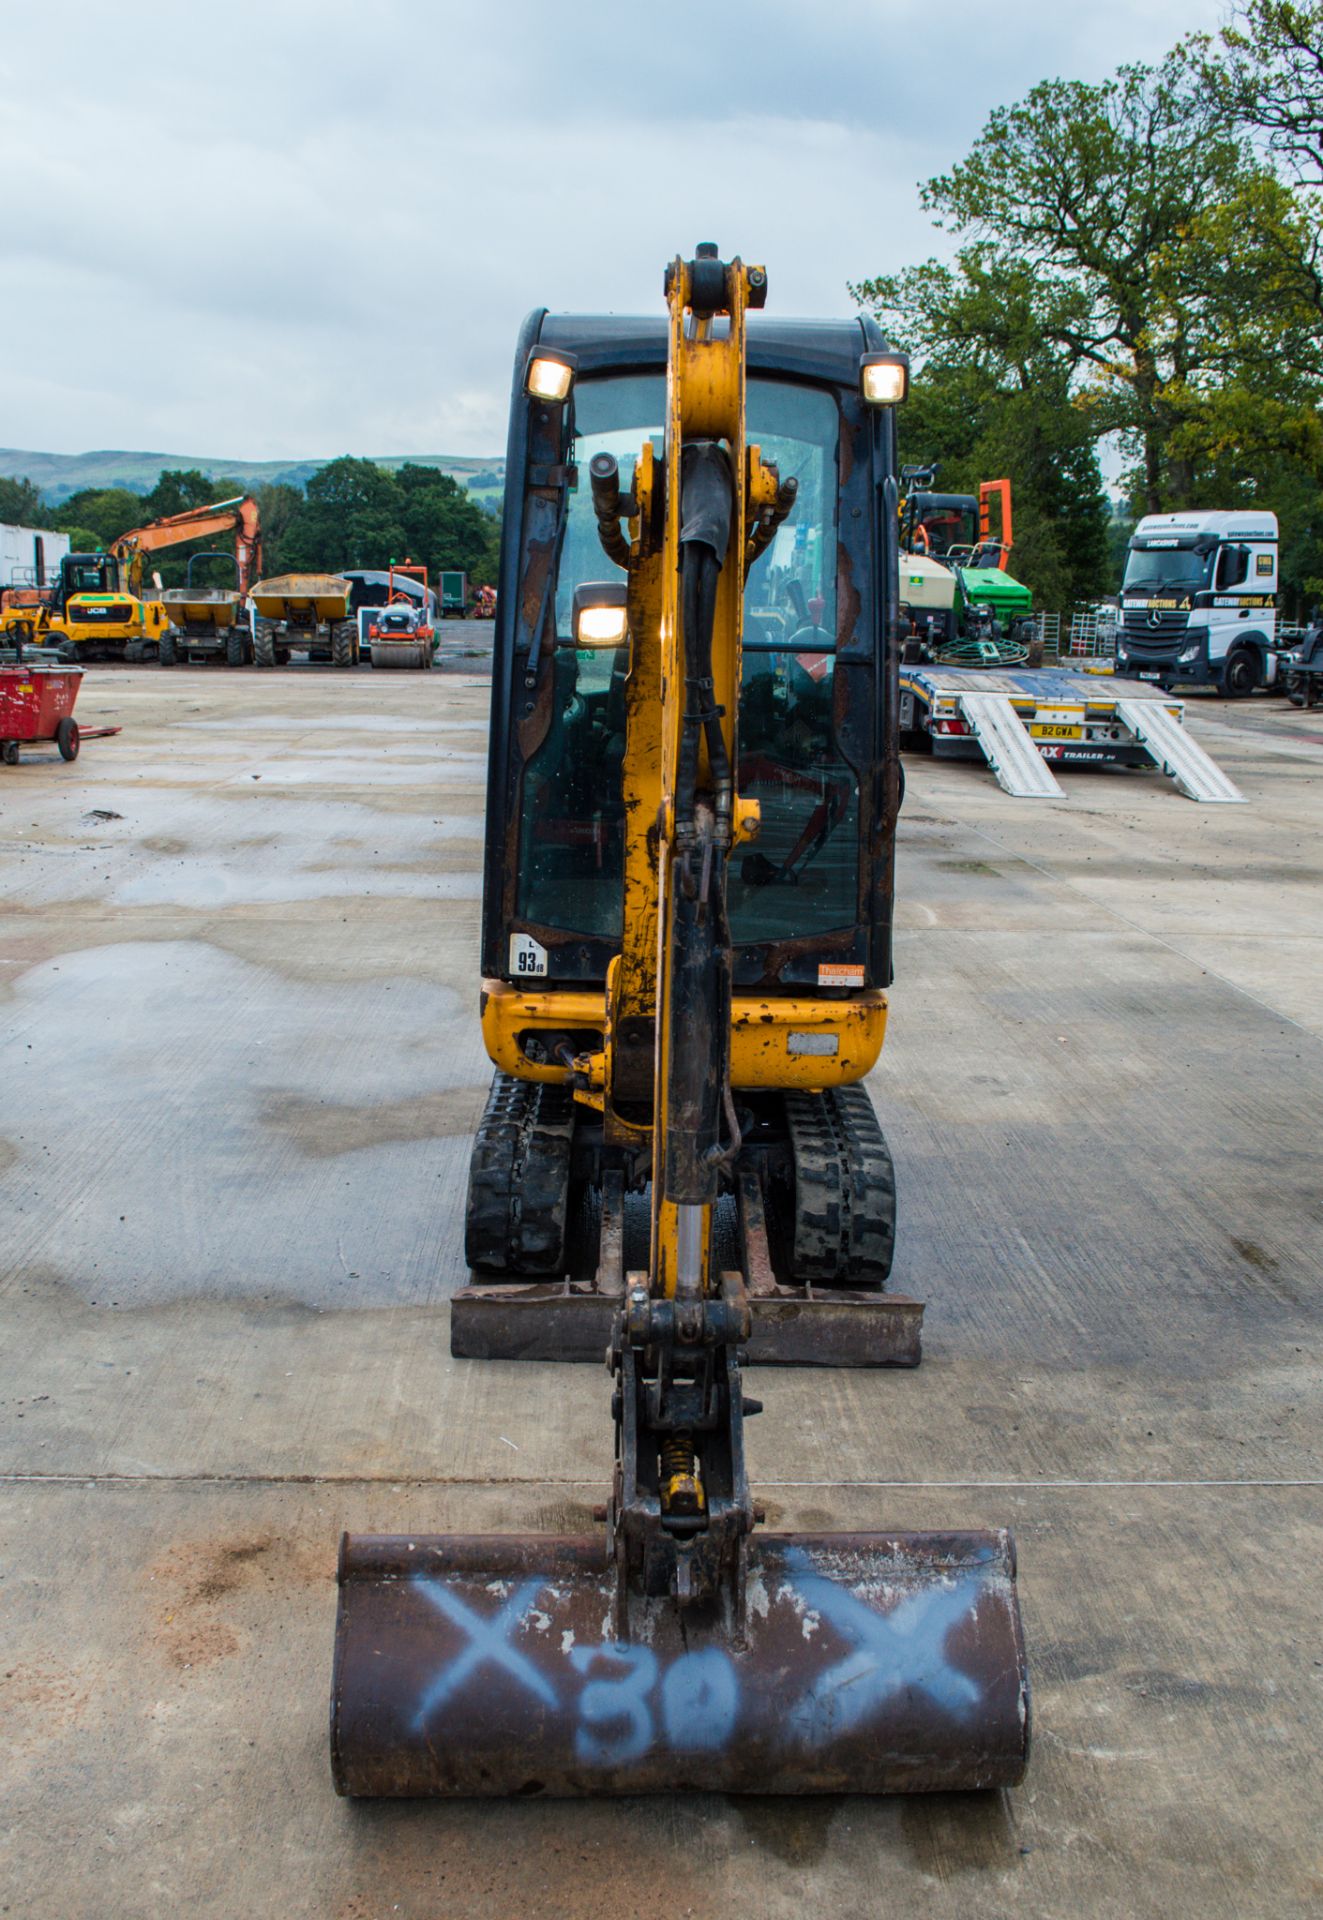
x,y
203,606
760,1041
147,620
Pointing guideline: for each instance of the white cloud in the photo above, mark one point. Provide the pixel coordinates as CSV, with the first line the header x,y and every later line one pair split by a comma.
x,y
308,226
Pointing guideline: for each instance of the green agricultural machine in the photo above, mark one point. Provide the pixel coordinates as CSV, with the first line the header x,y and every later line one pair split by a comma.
x,y
963,605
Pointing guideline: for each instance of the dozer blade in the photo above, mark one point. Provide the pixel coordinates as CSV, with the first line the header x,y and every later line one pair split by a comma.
x,y
869,1663
792,1327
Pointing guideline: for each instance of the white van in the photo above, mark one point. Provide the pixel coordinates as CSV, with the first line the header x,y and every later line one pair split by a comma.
x,y
1199,601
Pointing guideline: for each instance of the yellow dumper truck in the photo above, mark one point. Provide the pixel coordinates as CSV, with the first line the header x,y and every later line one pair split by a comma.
x,y
304,613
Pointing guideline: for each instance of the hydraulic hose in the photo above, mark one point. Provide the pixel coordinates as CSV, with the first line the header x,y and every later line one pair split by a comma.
x,y
707,504
604,483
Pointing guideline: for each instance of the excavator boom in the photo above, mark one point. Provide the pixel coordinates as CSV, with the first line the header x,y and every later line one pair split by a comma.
x,y
197,523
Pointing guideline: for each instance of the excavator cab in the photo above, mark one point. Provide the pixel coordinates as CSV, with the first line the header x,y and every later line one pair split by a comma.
x,y
686,943
569,827
85,573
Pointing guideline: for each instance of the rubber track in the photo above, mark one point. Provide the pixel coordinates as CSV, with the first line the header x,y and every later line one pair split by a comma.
x,y
845,1189
519,1179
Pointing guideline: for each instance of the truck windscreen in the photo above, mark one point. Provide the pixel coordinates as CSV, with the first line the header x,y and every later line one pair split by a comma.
x,y
1159,569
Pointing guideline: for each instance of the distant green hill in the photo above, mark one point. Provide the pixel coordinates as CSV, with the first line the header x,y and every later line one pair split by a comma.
x,y
60,474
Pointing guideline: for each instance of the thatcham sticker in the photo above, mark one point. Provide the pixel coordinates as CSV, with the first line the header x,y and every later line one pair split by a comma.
x,y
839,973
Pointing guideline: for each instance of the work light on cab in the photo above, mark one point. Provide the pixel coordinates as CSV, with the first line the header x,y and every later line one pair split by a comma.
x,y
599,613
550,376
884,378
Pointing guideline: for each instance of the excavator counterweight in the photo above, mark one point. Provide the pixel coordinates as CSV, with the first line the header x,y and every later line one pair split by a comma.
x,y
682,1021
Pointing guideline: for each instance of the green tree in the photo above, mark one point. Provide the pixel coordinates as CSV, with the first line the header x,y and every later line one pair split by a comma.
x,y
180,488
349,519
1268,71
278,506
1131,263
20,504
1094,190
105,511
992,398
444,524
82,539
357,514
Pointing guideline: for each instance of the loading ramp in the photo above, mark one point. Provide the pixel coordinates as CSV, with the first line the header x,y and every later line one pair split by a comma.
x,y
1179,755
1026,722
1009,747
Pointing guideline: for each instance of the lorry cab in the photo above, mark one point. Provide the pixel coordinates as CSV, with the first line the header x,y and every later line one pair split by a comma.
x,y
1199,601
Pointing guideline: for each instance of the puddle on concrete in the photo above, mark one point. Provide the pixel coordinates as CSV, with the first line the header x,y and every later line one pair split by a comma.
x,y
333,723
148,1168
324,1128
347,769
218,883
199,817
185,850
795,1830
948,1834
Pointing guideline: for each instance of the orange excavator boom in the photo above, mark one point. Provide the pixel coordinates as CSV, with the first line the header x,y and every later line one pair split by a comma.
x,y
195,523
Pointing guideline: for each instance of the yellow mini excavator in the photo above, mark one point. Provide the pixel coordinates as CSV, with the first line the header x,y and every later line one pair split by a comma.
x,y
693,794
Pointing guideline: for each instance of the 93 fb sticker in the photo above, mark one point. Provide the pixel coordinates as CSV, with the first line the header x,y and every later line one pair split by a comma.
x,y
527,958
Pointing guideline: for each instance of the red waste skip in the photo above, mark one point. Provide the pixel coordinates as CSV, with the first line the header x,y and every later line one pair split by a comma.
x,y
37,703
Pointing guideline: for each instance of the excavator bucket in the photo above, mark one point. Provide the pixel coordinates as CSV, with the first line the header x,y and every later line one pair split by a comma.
x,y
865,1663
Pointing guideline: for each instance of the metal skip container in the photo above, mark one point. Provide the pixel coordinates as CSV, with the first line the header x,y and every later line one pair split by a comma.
x,y
503,1665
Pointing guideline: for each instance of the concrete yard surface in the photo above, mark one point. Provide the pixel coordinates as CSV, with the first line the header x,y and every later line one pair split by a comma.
x,y
241,1065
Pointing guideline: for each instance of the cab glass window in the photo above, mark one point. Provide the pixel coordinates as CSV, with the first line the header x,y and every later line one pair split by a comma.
x,y
1232,567
802,878
1164,569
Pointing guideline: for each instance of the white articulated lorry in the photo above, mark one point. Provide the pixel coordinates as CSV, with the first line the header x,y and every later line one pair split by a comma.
x,y
1199,602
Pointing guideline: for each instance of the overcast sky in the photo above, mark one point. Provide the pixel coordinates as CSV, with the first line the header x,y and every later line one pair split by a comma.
x,y
307,227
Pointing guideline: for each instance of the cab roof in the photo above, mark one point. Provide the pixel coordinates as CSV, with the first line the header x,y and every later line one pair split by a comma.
x,y
944,502
826,350
1243,523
